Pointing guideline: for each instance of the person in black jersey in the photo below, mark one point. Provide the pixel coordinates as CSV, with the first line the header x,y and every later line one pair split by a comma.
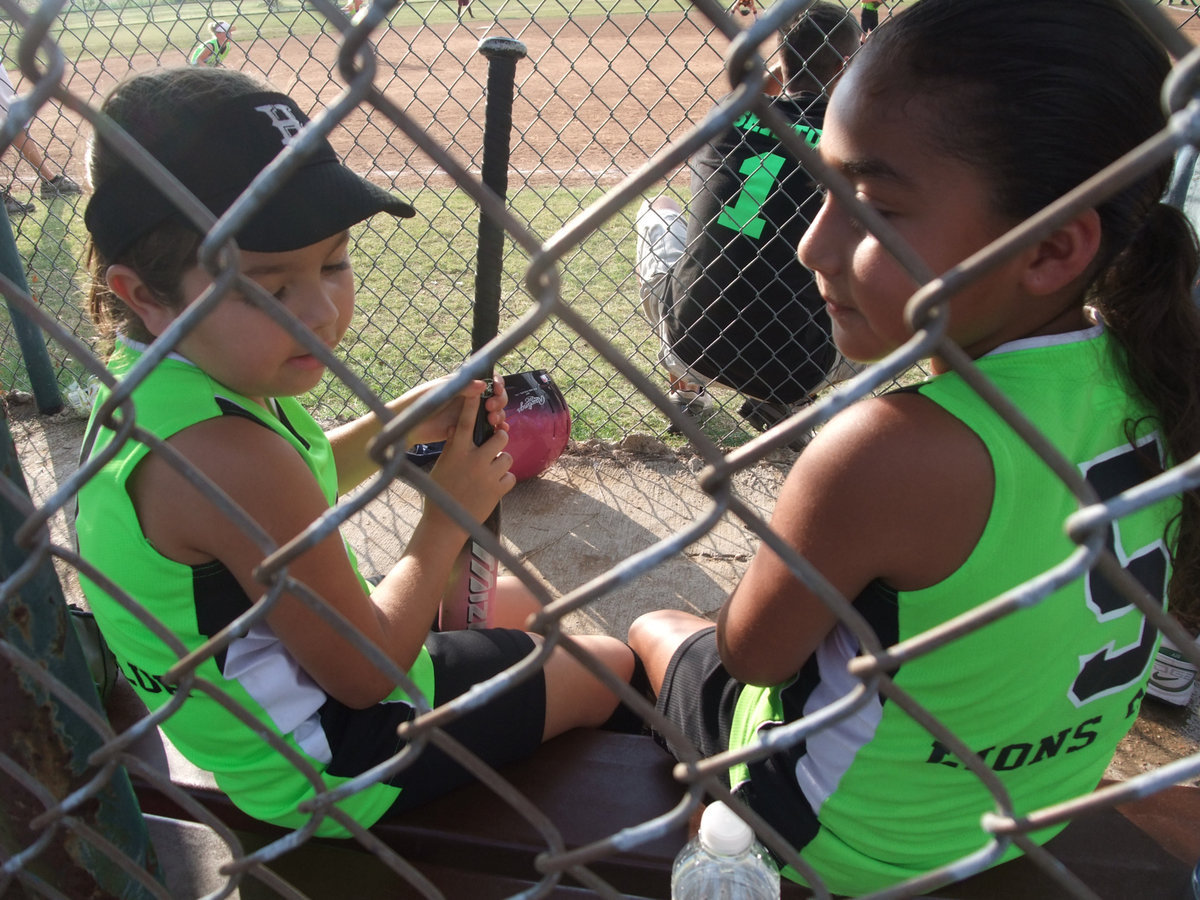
x,y
723,288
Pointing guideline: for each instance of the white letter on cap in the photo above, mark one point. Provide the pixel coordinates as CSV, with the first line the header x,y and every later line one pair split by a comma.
x,y
283,119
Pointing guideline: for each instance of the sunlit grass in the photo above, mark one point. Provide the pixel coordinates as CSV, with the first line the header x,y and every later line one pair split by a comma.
x,y
417,293
99,30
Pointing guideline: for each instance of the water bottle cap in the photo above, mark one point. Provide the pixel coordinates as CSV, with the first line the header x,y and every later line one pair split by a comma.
x,y
722,832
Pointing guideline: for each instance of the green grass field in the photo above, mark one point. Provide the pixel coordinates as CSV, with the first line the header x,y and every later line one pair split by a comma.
x,y
403,343
416,290
100,30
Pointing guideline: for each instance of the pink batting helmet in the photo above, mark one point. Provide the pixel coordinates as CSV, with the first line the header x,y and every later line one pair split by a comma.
x,y
539,425
539,422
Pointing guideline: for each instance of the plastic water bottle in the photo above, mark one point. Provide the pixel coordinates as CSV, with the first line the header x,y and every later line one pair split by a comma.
x,y
723,862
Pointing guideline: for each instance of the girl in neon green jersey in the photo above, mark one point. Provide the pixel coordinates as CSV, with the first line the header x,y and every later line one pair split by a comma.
x,y
319,709
957,121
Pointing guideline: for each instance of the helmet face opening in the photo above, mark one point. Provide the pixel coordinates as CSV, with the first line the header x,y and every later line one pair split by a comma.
x,y
539,425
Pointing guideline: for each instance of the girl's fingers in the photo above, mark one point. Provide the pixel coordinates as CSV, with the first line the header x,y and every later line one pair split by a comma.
x,y
496,404
467,411
496,444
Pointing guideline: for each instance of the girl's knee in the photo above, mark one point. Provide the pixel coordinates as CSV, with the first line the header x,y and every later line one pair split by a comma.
x,y
575,697
642,629
655,636
515,603
617,656
665,203
662,625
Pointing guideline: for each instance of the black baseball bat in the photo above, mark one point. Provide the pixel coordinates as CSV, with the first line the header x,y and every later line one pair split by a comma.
x,y
468,601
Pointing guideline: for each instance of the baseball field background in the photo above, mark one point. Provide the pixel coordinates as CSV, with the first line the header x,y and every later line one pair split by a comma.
x,y
607,83
603,88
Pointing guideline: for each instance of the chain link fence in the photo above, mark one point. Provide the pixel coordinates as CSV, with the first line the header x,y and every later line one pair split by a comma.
x,y
606,111
605,86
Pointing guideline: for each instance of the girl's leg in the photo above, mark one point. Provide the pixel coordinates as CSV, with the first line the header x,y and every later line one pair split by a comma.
x,y
510,727
656,636
514,604
574,697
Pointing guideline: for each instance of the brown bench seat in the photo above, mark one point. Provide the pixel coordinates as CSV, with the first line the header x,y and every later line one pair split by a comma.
x,y
591,784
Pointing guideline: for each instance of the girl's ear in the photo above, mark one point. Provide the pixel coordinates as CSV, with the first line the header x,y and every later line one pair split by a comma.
x,y
128,285
1063,256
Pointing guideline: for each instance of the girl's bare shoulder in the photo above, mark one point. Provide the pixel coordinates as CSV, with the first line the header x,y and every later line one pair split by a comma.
x,y
251,465
896,436
907,479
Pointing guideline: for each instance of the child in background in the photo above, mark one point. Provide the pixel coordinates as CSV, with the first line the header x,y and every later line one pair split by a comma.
x,y
225,402
923,504
212,52
870,16
53,184
355,10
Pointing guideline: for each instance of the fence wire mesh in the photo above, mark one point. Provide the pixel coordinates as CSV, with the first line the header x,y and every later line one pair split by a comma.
x,y
609,106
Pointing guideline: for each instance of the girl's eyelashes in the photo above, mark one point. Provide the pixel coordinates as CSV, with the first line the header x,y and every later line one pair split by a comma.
x,y
824,193
333,268
243,295
865,200
856,226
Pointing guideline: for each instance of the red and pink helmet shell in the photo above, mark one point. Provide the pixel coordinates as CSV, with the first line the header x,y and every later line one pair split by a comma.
x,y
539,425
539,422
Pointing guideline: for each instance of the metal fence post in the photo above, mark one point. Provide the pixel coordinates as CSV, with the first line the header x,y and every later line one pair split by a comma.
x,y
42,738
29,336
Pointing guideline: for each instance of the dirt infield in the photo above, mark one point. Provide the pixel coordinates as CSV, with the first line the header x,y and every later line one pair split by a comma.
x,y
594,99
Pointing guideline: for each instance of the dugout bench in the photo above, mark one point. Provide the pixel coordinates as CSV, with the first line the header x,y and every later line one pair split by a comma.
x,y
591,784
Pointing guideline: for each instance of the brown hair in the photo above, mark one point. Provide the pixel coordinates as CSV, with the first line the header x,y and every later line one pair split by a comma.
x,y
815,44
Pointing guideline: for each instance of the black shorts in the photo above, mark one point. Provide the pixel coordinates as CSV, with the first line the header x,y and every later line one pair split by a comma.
x,y
507,728
698,695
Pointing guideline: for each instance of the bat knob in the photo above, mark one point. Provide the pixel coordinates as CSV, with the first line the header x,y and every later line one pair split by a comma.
x,y
498,47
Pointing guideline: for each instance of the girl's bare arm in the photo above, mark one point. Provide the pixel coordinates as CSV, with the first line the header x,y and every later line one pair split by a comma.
x,y
894,488
271,483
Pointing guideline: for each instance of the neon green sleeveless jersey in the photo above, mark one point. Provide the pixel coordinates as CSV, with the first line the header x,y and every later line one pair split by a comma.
x,y
1043,695
216,57
194,603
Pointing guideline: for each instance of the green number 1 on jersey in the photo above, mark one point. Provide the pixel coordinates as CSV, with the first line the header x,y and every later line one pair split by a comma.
x,y
743,216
